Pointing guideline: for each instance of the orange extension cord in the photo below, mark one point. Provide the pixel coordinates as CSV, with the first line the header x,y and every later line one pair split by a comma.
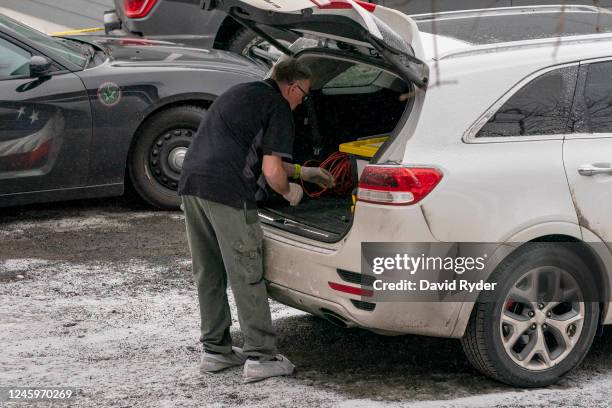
x,y
339,165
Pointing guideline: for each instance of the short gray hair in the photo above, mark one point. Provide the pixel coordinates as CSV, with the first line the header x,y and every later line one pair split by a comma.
x,y
289,70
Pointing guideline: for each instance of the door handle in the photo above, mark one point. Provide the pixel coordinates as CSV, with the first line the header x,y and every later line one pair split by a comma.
x,y
595,169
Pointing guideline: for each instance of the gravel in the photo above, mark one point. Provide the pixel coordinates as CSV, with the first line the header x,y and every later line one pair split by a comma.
x,y
98,295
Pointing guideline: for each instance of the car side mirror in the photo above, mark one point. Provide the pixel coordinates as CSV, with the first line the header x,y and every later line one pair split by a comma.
x,y
39,66
208,4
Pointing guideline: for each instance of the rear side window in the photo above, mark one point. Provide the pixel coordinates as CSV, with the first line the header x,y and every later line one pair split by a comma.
x,y
541,107
597,103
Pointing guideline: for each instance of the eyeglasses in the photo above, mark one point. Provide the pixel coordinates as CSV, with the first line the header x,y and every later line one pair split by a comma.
x,y
306,94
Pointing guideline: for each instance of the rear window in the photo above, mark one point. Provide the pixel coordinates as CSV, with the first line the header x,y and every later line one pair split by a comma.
x,y
497,29
356,76
541,107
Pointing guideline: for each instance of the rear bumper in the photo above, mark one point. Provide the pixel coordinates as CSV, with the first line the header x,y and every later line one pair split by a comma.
x,y
299,273
114,26
179,22
424,318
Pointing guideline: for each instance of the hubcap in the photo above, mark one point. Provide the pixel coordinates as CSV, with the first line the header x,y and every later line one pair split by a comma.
x,y
166,156
176,157
542,318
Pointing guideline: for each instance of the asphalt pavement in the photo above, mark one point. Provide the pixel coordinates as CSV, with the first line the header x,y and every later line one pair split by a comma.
x,y
98,295
57,15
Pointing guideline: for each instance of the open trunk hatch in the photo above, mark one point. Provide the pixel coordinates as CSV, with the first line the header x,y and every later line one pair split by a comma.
x,y
392,34
354,107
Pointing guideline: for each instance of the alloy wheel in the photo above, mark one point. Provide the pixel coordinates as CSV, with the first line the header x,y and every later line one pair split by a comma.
x,y
542,318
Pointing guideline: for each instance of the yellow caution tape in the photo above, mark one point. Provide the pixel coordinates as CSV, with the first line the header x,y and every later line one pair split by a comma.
x,y
79,31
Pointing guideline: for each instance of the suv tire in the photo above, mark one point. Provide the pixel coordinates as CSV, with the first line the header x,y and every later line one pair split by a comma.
x,y
485,341
152,164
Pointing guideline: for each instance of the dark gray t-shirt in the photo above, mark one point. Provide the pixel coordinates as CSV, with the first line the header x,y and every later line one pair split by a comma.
x,y
223,163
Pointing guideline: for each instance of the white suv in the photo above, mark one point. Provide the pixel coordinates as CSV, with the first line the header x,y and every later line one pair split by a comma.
x,y
498,138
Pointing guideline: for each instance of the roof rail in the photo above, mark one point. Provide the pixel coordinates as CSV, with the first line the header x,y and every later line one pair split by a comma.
x,y
516,45
500,11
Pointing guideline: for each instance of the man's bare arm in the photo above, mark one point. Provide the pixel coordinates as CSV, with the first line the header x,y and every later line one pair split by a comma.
x,y
275,172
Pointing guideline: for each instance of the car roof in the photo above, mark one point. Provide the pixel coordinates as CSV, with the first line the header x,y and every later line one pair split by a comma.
x,y
466,80
465,84
476,28
549,50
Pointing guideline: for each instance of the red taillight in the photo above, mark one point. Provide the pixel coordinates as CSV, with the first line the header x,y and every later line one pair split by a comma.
x,y
137,8
350,289
395,185
342,4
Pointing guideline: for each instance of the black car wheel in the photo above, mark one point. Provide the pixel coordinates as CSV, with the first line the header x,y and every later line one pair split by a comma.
x,y
541,321
246,42
157,156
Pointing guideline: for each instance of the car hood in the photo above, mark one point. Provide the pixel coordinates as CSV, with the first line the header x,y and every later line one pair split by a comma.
x,y
143,52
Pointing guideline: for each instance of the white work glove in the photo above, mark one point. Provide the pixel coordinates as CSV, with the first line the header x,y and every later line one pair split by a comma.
x,y
294,196
317,175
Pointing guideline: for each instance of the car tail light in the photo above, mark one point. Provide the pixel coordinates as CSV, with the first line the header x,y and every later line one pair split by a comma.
x,y
351,289
396,185
342,4
137,8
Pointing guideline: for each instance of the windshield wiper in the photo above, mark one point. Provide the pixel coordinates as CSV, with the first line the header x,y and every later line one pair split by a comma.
x,y
91,53
82,47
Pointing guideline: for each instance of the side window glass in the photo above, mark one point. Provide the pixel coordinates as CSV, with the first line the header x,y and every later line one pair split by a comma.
x,y
540,108
597,108
14,61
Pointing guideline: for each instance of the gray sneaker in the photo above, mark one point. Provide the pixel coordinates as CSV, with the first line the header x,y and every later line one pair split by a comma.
x,y
257,370
211,363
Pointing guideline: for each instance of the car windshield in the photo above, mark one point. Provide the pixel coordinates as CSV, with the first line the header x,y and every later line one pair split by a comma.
x,y
490,29
56,46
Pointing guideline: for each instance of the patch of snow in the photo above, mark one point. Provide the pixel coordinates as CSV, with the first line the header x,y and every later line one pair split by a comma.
x,y
67,224
85,220
21,265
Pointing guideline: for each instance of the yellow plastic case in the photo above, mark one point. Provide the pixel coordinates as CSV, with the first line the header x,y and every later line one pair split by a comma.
x,y
363,148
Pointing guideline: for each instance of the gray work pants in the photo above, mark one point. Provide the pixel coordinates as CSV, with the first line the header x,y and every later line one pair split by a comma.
x,y
226,243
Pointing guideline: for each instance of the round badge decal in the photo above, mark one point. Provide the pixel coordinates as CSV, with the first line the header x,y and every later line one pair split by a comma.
x,y
109,94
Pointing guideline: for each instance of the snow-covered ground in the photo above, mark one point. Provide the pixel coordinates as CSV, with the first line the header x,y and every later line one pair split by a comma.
x,y
99,296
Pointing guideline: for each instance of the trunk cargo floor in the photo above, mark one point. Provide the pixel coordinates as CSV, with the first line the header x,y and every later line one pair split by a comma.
x,y
331,214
